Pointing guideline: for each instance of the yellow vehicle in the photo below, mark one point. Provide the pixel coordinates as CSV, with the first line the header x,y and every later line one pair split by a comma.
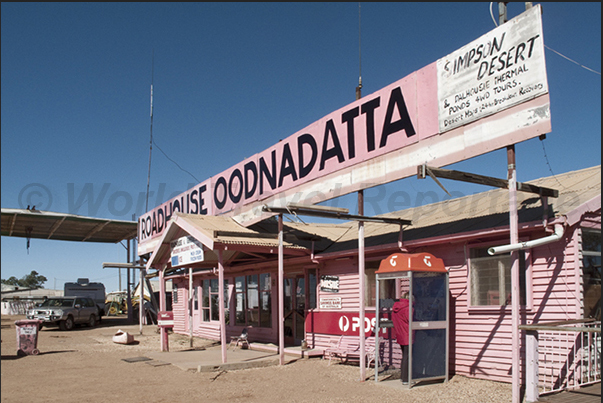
x,y
115,303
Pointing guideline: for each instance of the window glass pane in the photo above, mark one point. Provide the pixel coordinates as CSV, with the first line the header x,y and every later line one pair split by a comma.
x,y
214,285
252,292
312,289
205,303
265,281
490,278
370,268
240,284
240,309
226,303
266,310
215,307
300,295
591,240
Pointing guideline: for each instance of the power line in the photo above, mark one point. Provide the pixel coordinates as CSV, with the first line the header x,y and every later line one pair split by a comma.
x,y
182,169
549,48
573,61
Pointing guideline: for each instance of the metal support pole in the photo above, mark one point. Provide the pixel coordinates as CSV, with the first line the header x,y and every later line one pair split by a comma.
x,y
377,329
141,313
129,289
165,345
514,238
221,306
190,307
281,294
361,311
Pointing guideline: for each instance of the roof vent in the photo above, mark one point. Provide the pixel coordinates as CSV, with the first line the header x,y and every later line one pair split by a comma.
x,y
83,281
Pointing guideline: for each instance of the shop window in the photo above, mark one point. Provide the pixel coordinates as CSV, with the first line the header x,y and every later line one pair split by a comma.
x,y
253,298
210,303
490,278
175,292
591,273
387,289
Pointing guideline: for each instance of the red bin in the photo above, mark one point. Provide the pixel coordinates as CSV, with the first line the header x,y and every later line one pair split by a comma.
x,y
27,337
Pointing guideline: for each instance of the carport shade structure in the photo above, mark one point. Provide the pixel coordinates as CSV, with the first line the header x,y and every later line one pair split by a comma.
x,y
31,223
225,242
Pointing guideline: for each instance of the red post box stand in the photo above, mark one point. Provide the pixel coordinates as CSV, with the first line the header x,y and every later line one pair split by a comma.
x,y
165,320
27,337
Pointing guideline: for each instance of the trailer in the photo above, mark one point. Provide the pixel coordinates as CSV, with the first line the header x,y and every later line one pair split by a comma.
x,y
84,288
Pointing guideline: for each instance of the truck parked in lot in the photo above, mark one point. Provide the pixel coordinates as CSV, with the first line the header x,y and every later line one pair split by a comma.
x,y
84,288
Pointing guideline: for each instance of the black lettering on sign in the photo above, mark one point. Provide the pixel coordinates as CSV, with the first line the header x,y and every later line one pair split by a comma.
x,y
265,172
396,99
220,183
250,167
287,165
335,151
306,139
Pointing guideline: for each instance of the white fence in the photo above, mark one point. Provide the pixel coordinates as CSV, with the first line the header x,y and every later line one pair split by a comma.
x,y
561,356
18,307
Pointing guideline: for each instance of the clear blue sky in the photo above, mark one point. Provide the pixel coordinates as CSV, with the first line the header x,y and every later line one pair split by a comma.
x,y
230,80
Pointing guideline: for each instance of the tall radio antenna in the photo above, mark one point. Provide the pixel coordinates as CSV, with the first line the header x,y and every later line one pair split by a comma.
x,y
151,141
359,88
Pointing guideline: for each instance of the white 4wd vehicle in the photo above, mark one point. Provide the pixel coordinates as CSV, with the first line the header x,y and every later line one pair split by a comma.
x,y
66,312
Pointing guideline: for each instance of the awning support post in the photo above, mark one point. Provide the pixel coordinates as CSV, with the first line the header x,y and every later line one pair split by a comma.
x,y
221,305
141,312
514,235
281,294
361,312
190,307
165,344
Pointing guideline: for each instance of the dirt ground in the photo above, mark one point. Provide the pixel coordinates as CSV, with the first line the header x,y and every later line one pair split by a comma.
x,y
84,365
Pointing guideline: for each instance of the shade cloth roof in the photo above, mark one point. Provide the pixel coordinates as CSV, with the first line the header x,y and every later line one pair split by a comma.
x,y
65,227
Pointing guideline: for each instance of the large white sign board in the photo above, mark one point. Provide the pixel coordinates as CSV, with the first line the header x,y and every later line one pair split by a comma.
x,y
504,67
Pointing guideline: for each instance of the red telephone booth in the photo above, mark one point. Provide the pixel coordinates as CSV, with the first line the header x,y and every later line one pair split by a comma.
x,y
425,278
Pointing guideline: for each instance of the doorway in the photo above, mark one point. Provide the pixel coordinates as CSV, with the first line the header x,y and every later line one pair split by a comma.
x,y
295,309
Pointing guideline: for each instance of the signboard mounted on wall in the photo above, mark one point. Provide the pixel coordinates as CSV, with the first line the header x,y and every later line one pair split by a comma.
x,y
185,251
487,95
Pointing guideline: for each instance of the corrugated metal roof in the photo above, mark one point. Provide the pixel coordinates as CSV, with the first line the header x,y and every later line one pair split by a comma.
x,y
226,230
485,210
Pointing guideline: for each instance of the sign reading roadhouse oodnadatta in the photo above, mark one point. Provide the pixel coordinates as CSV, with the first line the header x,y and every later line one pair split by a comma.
x,y
489,94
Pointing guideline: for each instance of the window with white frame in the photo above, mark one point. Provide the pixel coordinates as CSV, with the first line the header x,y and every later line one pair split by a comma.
x,y
253,297
591,272
490,278
210,302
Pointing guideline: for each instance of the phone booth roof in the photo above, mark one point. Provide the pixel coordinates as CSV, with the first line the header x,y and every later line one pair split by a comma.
x,y
417,262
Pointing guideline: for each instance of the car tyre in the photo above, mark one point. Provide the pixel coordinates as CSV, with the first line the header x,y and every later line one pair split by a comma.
x,y
92,321
67,324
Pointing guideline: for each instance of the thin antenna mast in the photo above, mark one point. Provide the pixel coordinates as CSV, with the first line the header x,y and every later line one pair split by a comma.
x,y
359,88
151,141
